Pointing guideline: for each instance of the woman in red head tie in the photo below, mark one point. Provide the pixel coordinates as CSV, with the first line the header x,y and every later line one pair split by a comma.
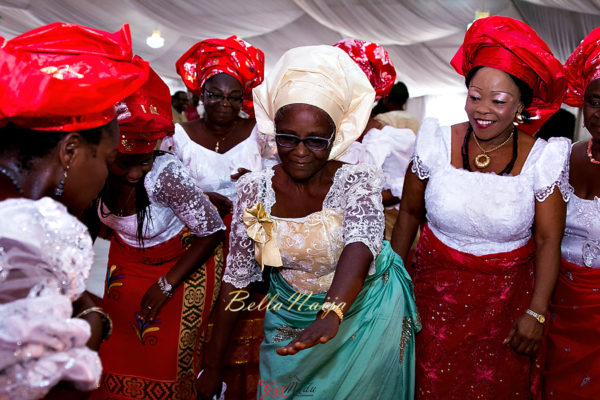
x,y
483,186
162,274
572,368
381,145
216,149
58,87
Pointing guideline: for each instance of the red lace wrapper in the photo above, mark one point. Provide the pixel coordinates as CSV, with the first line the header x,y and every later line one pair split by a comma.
x,y
468,305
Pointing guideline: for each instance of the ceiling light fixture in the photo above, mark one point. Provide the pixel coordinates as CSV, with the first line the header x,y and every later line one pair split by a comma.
x,y
155,40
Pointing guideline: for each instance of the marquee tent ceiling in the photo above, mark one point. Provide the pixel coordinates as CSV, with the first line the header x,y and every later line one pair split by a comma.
x,y
420,35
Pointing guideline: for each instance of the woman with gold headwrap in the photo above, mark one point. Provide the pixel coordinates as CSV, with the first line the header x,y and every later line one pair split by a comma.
x,y
483,186
573,367
337,290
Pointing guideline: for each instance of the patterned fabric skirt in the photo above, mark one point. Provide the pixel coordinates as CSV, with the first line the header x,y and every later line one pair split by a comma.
x,y
468,305
371,357
573,361
155,360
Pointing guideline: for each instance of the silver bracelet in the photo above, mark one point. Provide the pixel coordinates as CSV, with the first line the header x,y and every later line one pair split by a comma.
x,y
165,286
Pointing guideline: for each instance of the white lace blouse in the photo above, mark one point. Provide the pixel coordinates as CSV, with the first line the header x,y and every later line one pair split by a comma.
x,y
352,212
211,170
388,148
175,202
45,259
581,241
485,213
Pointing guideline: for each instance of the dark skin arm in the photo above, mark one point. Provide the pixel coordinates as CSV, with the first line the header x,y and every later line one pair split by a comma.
x,y
83,303
223,204
412,212
388,198
348,280
549,224
199,251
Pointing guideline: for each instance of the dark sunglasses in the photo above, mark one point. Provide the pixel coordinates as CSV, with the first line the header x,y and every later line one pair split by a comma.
x,y
216,97
312,142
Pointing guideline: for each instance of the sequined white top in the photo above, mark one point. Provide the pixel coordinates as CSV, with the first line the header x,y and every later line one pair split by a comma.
x,y
45,259
211,170
352,212
388,148
175,202
485,213
581,242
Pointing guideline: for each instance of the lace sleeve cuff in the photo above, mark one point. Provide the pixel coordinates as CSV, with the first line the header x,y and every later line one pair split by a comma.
x,y
552,170
418,168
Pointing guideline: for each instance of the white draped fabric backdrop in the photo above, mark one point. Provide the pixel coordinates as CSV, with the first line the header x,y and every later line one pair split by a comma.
x,y
421,36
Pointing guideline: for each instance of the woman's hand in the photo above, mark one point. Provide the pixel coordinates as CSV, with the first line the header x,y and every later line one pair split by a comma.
x,y
152,302
223,204
209,383
239,173
525,335
322,330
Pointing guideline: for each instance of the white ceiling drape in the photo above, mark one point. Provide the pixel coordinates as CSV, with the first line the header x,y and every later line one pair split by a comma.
x,y
420,35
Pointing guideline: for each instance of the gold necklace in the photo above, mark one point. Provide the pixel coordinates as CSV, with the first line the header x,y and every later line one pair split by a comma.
x,y
483,160
222,138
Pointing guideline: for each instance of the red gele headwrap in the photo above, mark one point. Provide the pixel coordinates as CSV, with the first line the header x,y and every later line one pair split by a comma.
x,y
513,47
583,67
231,56
66,77
373,59
145,117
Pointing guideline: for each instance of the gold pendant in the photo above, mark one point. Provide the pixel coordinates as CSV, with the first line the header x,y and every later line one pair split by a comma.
x,y
482,161
217,147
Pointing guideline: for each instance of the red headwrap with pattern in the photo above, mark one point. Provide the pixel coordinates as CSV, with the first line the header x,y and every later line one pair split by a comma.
x,y
67,77
583,67
231,56
145,117
373,59
513,47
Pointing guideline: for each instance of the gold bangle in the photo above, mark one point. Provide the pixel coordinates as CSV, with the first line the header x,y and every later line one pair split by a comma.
x,y
107,325
328,306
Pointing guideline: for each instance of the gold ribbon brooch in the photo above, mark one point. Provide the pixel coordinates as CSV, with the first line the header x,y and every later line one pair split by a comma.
x,y
259,227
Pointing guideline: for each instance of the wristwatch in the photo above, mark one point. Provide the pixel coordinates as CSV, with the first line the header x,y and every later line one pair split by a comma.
x,y
328,306
539,317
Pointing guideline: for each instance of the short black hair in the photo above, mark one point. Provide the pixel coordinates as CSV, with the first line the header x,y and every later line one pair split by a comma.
x,y
399,94
31,144
177,93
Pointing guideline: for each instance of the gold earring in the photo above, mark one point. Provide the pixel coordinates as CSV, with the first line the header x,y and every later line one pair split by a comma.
x,y
519,117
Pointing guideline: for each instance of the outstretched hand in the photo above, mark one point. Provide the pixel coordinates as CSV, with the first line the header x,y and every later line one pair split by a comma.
x,y
223,204
320,331
526,335
239,173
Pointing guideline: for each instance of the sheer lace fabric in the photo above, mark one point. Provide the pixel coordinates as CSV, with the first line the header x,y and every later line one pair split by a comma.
x,y
310,246
484,213
45,258
581,242
212,171
175,202
388,148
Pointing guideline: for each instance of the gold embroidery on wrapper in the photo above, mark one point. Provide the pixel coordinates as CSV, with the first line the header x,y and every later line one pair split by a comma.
x,y
407,332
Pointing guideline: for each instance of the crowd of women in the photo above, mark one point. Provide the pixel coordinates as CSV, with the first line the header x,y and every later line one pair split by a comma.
x,y
247,254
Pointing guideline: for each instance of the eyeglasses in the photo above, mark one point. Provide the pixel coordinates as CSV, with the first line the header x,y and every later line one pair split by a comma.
x,y
312,142
216,97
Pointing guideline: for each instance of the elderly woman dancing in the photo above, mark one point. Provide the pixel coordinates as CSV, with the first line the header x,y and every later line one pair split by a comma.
x,y
572,367
337,290
58,87
485,184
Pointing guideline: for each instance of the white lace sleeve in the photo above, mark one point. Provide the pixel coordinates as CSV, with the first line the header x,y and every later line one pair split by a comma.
x,y
170,184
431,148
241,268
40,344
363,210
552,169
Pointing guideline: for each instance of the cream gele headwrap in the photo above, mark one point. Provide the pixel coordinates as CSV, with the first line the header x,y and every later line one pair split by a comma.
x,y
322,76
